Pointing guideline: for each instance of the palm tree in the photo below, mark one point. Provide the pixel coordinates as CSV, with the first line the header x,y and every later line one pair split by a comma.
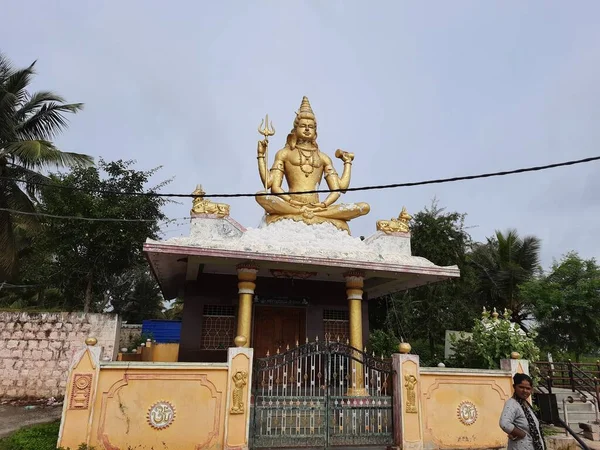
x,y
28,123
503,263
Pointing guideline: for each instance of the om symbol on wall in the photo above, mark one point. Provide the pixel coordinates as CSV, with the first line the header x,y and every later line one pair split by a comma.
x,y
161,415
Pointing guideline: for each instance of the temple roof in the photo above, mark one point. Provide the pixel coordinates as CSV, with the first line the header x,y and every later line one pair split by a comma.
x,y
291,249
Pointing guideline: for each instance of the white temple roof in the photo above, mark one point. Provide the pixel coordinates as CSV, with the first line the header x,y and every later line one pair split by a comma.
x,y
219,244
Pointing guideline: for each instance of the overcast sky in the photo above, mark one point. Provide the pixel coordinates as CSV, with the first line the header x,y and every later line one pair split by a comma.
x,y
417,90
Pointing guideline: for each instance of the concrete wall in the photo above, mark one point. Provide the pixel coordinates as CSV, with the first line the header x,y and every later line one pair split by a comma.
x,y
461,408
117,405
37,348
446,408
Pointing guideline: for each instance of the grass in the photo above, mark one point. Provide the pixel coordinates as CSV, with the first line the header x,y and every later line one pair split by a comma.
x,y
36,437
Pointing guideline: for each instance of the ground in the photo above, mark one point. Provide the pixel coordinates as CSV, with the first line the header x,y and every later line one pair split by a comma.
x,y
13,417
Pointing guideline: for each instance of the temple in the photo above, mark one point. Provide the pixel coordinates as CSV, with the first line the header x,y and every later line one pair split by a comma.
x,y
274,348
299,276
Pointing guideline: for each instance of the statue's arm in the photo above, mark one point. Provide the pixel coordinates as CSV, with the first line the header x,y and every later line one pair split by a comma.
x,y
276,175
333,181
347,158
262,163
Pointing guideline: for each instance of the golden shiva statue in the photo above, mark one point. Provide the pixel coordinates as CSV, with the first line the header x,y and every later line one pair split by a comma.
x,y
303,166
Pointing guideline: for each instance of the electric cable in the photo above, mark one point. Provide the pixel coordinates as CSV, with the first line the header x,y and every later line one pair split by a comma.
x,y
320,191
89,219
323,191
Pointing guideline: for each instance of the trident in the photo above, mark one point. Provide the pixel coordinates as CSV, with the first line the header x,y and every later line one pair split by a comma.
x,y
266,131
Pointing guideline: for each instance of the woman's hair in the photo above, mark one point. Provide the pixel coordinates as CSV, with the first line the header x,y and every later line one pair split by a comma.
x,y
520,377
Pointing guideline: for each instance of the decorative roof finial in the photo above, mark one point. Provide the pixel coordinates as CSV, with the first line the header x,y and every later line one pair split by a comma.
x,y
202,206
399,225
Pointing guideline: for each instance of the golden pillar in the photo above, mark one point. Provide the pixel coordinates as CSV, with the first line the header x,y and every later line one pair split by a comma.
x,y
354,292
246,285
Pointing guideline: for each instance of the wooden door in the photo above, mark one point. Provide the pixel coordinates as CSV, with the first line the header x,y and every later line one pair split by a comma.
x,y
277,327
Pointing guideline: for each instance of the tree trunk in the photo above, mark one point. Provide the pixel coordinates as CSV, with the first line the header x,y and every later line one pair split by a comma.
x,y
431,344
88,293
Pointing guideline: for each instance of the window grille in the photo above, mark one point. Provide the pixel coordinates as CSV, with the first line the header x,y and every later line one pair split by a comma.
x,y
218,327
336,325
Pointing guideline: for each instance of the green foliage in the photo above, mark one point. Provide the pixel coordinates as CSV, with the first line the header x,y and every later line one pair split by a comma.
x,y
567,306
36,437
28,124
428,356
383,343
99,265
501,265
423,314
135,295
175,311
493,339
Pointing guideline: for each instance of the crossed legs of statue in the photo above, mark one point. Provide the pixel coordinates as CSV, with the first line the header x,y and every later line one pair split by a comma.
x,y
338,215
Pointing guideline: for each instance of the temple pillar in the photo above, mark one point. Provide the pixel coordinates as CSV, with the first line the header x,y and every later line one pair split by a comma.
x,y
354,293
246,285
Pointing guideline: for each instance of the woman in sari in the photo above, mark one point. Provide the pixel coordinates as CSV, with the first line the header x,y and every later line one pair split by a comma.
x,y
518,420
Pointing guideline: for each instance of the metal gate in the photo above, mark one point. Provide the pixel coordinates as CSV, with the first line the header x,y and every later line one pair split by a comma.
x,y
321,395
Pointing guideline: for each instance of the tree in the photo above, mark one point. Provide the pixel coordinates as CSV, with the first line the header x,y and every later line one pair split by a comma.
x,y
503,263
566,304
422,315
135,295
493,338
175,310
28,123
85,259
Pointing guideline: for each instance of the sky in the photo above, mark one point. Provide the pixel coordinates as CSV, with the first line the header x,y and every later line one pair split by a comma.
x,y
417,90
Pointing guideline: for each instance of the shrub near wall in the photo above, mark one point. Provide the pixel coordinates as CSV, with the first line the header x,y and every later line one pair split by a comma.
x,y
36,349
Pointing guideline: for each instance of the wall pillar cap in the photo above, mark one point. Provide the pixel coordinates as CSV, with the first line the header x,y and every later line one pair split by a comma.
x,y
404,348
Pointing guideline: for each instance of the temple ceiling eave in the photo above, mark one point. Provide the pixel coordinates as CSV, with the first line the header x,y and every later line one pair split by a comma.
x,y
171,268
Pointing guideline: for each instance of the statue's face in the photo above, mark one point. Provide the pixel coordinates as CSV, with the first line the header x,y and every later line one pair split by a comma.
x,y
306,129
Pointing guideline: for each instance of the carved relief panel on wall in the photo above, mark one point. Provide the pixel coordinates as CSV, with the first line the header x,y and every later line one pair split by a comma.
x,y
410,382
240,380
80,392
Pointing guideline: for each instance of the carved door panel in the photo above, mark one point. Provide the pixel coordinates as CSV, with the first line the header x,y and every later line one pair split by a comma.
x,y
277,327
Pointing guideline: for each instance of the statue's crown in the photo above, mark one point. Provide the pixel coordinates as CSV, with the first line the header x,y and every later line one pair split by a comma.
x,y
305,111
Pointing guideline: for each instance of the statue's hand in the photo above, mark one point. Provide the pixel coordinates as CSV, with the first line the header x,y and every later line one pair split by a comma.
x,y
316,207
344,156
262,147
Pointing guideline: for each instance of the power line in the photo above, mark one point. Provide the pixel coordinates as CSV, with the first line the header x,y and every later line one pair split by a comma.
x,y
89,219
326,191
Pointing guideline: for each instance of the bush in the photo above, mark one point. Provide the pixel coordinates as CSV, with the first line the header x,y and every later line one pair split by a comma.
x,y
428,357
494,338
383,343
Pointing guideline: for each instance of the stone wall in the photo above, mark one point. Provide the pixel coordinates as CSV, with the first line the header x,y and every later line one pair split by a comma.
x,y
36,349
129,333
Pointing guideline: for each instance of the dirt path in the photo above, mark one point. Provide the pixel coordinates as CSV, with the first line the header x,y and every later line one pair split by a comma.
x,y
14,417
